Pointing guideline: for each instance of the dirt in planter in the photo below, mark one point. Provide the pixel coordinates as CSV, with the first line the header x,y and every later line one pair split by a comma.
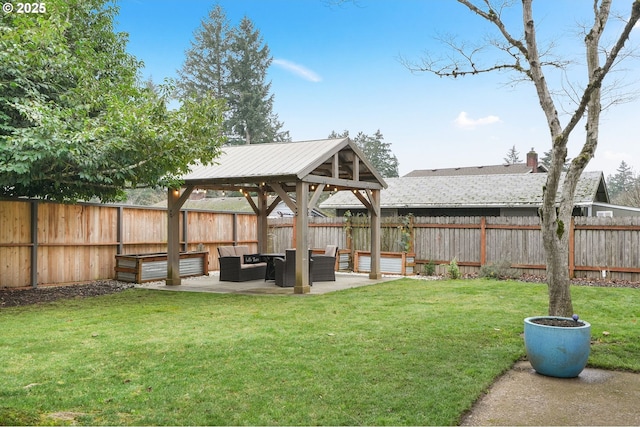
x,y
563,323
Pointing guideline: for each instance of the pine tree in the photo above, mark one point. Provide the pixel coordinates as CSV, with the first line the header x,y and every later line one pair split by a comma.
x,y
232,63
513,156
377,152
546,161
205,69
252,120
622,181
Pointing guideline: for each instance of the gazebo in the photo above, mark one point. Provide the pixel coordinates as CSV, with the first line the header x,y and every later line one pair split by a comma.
x,y
305,168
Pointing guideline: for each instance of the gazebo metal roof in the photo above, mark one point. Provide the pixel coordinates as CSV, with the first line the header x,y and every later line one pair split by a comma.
x,y
334,162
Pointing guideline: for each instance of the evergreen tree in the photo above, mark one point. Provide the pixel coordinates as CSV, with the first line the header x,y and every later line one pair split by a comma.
x,y
334,134
376,151
205,69
546,161
513,156
232,64
631,197
622,181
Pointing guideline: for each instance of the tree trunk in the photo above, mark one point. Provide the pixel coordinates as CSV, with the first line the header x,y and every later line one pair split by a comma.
x,y
556,244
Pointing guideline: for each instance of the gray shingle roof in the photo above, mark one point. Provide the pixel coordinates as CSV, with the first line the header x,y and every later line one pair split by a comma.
x,y
476,170
515,190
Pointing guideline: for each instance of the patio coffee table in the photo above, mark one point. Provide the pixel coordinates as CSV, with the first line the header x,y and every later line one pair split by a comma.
x,y
270,273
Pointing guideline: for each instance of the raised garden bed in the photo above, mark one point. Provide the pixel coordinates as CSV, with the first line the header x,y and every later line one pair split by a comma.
x,y
403,263
140,268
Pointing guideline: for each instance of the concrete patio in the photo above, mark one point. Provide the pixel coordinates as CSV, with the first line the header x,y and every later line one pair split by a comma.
x,y
212,283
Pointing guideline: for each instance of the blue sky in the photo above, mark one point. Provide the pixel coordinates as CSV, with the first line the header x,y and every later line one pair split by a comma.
x,y
339,68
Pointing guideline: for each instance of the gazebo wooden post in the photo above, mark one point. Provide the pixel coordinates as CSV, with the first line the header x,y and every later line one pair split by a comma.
x,y
374,213
174,203
263,225
302,247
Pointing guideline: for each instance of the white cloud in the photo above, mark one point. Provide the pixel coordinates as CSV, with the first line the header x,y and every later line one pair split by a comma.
x,y
464,121
298,70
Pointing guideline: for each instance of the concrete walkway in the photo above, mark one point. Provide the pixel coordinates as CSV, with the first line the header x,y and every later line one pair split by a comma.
x,y
213,284
595,398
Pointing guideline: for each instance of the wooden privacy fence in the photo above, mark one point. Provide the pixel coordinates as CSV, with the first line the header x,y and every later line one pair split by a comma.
x,y
43,243
608,247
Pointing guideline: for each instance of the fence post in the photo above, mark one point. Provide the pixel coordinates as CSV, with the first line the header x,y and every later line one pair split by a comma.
x,y
119,230
235,229
34,243
348,227
412,237
185,231
483,241
572,248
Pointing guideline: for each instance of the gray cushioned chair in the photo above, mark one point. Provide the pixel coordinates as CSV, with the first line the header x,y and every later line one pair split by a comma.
x,y
324,266
286,269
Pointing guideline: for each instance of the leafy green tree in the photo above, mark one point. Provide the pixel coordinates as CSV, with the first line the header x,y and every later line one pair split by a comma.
x,y
622,181
232,63
376,150
513,156
74,121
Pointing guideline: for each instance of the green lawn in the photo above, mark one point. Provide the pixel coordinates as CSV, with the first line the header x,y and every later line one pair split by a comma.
x,y
407,352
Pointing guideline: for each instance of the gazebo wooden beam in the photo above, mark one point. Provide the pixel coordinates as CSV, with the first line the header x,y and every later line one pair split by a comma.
x,y
302,285
374,214
175,201
316,196
263,224
340,182
283,195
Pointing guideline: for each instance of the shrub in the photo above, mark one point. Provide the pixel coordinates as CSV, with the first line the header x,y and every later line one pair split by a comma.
x,y
453,271
429,269
501,270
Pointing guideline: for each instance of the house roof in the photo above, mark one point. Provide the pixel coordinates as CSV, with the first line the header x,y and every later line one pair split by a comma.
x,y
477,170
513,190
335,162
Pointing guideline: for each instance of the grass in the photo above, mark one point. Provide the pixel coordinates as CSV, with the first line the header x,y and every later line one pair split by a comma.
x,y
406,352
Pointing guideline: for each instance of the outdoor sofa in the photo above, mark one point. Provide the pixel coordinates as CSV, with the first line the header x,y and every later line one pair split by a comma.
x,y
238,265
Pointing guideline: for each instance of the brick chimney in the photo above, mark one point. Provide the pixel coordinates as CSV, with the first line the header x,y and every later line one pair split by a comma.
x,y
532,160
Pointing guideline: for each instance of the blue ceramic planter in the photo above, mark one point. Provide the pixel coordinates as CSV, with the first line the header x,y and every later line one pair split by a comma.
x,y
557,351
